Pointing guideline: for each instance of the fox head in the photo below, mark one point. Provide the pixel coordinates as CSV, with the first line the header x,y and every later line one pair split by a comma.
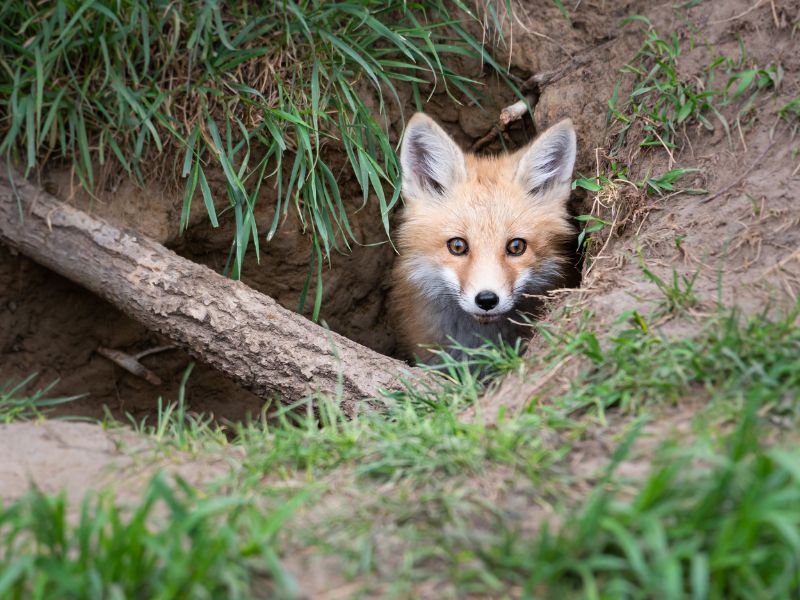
x,y
483,233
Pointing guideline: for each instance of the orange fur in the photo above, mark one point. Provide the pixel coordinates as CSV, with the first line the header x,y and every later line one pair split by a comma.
x,y
488,208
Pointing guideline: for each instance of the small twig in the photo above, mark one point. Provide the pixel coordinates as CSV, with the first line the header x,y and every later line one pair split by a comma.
x,y
554,370
508,115
775,14
779,265
539,34
130,363
741,135
599,255
154,350
741,177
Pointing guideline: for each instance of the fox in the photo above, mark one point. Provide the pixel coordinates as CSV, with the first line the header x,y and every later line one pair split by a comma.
x,y
480,239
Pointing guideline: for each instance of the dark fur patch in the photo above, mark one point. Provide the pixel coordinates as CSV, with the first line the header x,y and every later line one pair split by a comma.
x,y
422,158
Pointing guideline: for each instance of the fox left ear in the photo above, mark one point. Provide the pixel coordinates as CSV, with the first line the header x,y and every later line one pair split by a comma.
x,y
430,160
549,161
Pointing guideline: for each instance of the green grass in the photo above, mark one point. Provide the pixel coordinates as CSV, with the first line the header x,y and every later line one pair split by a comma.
x,y
642,366
174,543
663,99
19,401
790,109
275,94
423,492
716,519
417,499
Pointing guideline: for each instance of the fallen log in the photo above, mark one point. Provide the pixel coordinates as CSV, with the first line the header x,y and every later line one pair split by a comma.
x,y
269,350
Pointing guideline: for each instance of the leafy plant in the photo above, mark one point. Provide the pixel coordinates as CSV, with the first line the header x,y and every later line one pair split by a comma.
x,y
666,183
790,108
762,78
593,225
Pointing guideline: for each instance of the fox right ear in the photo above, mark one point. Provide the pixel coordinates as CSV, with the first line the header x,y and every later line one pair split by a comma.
x,y
547,164
430,160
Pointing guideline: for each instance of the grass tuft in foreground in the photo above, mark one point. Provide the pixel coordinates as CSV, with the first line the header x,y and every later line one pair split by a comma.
x,y
719,519
19,402
174,543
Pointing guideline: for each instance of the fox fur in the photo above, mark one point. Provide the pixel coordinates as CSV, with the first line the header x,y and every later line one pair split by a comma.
x,y
486,202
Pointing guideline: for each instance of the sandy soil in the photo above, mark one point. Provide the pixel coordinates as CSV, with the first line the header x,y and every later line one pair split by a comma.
x,y
58,456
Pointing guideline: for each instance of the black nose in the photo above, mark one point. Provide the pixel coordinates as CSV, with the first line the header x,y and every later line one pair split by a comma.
x,y
486,300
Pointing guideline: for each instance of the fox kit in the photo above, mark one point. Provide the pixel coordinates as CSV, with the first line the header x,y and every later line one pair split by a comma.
x,y
479,236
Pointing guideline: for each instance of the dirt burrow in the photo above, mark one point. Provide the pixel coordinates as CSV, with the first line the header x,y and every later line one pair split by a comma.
x,y
50,326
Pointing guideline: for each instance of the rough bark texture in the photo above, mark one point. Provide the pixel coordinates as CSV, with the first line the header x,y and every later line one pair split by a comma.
x,y
267,349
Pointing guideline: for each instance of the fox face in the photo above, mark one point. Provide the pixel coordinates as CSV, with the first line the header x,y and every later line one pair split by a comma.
x,y
479,236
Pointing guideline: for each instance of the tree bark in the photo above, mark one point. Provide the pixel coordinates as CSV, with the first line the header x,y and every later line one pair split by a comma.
x,y
269,350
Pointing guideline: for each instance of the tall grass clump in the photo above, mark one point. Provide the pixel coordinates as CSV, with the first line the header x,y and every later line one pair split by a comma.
x,y
254,90
707,522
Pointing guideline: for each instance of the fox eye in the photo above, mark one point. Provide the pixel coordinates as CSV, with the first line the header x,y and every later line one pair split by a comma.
x,y
457,246
516,247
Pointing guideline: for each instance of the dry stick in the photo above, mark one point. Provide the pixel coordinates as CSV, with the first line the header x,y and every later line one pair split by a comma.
x,y
508,115
246,335
775,14
785,261
130,362
554,370
154,350
739,16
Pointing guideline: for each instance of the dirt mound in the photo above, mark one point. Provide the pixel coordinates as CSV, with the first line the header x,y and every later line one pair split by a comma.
x,y
736,244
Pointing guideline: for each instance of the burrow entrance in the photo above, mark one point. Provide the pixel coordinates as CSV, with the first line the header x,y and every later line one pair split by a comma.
x,y
54,328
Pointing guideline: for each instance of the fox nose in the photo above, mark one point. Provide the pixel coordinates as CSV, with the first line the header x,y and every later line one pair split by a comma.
x,y
486,300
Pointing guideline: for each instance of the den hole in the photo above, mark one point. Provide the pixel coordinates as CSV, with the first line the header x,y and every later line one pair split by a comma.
x,y
55,328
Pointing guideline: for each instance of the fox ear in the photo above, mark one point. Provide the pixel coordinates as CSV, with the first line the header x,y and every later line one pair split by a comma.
x,y
429,158
549,161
